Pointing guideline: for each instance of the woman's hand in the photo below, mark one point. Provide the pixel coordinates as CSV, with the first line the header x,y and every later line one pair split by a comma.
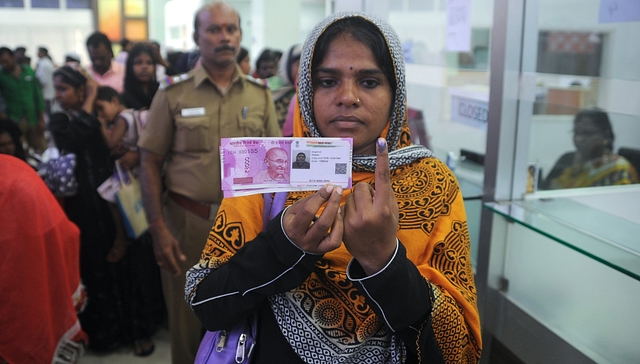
x,y
92,86
316,235
371,218
90,93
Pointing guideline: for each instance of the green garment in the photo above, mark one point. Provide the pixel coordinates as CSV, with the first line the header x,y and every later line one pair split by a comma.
x,y
22,95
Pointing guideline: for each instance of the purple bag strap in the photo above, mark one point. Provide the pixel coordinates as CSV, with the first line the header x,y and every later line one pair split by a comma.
x,y
273,204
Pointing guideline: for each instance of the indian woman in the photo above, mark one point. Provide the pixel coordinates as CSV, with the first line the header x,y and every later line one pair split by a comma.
x,y
380,273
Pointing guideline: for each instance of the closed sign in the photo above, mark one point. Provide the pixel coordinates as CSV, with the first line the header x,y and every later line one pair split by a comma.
x,y
469,111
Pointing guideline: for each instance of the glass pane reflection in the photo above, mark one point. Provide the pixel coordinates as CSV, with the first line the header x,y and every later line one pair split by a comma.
x,y
583,64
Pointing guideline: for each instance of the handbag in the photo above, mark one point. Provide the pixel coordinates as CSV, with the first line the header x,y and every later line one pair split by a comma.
x,y
107,190
58,172
236,345
129,200
229,346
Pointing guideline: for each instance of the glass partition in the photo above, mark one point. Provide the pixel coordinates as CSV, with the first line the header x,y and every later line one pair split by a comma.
x,y
584,61
566,257
447,46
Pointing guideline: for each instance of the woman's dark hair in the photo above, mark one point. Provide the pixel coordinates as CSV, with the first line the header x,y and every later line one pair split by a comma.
x,y
6,50
70,76
241,54
10,127
131,83
601,120
363,31
276,55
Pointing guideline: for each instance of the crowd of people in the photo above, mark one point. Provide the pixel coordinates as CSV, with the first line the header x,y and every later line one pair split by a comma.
x,y
354,276
98,112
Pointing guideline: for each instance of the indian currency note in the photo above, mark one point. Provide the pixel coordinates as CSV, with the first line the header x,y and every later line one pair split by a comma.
x,y
258,165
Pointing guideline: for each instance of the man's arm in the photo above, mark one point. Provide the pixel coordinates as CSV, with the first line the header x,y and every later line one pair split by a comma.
x,y
165,245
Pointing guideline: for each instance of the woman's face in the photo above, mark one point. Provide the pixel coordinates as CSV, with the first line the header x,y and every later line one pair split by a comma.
x,y
6,144
67,96
245,65
144,68
351,94
588,138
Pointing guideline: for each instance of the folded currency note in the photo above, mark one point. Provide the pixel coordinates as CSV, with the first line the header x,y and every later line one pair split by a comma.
x,y
259,165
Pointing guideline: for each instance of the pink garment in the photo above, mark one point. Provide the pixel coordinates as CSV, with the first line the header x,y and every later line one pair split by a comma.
x,y
114,77
287,127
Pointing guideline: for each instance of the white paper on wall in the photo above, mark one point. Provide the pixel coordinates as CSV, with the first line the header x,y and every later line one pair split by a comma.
x,y
459,25
619,11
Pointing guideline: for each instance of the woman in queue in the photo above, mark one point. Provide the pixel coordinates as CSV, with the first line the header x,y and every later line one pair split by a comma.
x,y
380,273
76,130
140,84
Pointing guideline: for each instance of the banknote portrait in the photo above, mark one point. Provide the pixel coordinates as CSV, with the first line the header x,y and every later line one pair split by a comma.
x,y
277,167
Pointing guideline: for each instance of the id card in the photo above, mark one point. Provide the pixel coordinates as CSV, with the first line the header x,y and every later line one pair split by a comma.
x,y
285,164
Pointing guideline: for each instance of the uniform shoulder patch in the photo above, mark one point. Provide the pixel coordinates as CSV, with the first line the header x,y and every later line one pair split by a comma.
x,y
172,80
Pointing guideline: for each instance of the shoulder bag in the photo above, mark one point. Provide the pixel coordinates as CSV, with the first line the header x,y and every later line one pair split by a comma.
x,y
236,345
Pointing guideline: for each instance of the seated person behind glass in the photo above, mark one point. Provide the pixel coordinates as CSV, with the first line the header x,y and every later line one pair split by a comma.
x,y
593,163
301,162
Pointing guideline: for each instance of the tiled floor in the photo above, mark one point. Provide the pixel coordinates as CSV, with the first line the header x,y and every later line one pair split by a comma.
x,y
162,354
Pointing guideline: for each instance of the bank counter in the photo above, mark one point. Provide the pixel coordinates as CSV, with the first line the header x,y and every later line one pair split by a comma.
x,y
564,276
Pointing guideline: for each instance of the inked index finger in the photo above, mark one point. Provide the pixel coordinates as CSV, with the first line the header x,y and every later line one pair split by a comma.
x,y
383,174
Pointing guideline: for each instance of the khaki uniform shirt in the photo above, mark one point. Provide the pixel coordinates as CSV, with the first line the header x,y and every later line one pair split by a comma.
x,y
188,118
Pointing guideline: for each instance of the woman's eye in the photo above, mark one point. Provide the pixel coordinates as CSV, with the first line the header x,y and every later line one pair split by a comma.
x,y
370,83
326,82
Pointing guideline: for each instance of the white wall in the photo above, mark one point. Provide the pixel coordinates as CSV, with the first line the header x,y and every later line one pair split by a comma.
x,y
276,24
59,30
156,18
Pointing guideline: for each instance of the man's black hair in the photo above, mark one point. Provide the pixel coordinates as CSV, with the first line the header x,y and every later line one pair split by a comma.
x,y
98,38
4,50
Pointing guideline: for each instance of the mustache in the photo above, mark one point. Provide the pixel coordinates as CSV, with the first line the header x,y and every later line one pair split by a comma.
x,y
225,47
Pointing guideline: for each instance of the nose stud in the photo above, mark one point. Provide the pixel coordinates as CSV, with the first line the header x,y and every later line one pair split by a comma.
x,y
358,99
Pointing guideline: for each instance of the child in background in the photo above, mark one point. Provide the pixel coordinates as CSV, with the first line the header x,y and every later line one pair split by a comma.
x,y
120,128
120,133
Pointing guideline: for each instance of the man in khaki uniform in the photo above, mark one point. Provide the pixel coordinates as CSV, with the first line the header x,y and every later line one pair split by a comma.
x,y
187,118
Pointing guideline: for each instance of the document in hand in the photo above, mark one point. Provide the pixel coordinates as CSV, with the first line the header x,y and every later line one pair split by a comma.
x,y
259,165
